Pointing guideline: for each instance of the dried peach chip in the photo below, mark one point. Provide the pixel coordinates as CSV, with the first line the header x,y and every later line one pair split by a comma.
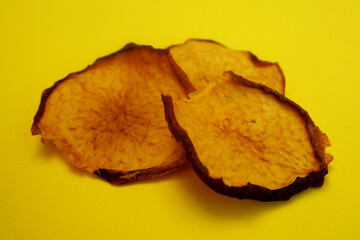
x,y
109,119
204,61
246,140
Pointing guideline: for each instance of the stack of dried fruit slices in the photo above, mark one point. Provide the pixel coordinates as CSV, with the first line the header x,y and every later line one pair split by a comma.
x,y
141,113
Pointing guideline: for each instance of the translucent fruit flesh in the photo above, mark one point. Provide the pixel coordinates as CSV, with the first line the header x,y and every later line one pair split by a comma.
x,y
205,61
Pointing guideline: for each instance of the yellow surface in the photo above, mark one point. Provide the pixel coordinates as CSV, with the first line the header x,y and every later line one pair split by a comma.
x,y
42,197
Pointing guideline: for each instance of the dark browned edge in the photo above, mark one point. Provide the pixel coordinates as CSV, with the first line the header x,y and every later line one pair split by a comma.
x,y
183,78
254,59
260,63
252,191
117,176
196,39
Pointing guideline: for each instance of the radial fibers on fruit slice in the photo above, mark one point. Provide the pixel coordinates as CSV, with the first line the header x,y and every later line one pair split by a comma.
x,y
109,119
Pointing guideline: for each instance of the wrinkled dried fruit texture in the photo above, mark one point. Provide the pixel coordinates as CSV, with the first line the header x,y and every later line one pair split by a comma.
x,y
205,61
110,116
243,134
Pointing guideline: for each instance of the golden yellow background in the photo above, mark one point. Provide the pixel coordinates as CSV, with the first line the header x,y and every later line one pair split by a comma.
x,y
317,44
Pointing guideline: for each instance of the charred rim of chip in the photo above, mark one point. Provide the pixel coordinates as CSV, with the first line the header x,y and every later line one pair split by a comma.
x,y
111,175
252,191
118,177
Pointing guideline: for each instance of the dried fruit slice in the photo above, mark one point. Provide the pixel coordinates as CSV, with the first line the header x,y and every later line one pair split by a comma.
x,y
204,61
246,140
109,118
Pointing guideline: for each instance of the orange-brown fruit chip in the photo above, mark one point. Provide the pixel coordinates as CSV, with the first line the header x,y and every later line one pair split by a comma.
x,y
109,118
204,61
246,140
